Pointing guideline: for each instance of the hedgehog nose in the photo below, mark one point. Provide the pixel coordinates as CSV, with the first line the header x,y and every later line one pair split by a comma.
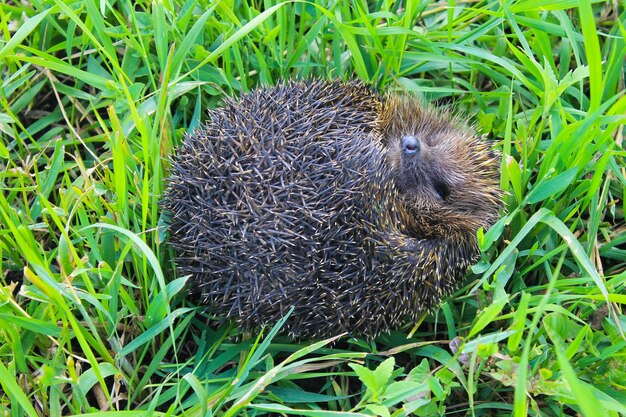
x,y
410,145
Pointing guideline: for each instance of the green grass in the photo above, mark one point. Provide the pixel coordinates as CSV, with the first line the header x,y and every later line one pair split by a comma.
x,y
95,95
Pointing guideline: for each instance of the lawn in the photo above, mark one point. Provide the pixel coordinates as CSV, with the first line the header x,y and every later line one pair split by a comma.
x,y
96,95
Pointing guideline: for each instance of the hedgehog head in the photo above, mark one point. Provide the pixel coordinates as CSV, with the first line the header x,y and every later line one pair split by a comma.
x,y
446,176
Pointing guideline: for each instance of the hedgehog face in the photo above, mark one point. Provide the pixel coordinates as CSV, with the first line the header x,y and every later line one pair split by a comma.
x,y
419,170
446,177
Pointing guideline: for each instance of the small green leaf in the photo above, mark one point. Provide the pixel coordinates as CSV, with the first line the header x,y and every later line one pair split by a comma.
x,y
487,316
378,410
553,186
88,379
25,29
366,376
383,372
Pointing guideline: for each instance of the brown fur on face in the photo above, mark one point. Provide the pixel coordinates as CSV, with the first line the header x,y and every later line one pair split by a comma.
x,y
451,184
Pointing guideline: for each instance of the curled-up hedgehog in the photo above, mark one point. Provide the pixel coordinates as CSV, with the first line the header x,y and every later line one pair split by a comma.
x,y
359,211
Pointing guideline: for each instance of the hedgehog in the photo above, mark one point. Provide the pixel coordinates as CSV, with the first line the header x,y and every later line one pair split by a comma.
x,y
357,210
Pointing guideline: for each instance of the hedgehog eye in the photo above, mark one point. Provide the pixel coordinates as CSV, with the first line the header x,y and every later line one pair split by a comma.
x,y
410,145
441,189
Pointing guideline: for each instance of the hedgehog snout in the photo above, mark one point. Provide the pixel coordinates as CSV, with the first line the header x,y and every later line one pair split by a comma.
x,y
410,145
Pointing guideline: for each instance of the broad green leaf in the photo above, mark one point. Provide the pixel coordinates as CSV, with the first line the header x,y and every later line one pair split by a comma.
x,y
552,187
25,29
